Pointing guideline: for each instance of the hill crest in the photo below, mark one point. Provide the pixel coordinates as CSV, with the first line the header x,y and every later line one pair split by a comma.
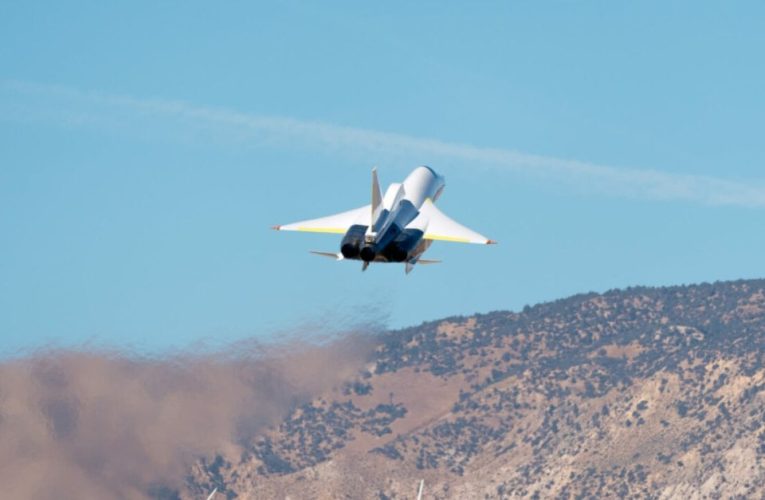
x,y
654,392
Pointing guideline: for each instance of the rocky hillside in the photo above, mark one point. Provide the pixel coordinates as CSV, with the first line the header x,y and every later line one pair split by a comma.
x,y
644,392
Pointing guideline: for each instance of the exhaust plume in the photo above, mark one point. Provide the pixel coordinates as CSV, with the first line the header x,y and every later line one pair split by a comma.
x,y
78,424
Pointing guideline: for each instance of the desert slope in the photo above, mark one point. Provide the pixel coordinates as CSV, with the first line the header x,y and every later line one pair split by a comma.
x,y
644,392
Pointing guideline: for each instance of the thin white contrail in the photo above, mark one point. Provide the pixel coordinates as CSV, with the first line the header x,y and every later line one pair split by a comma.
x,y
77,107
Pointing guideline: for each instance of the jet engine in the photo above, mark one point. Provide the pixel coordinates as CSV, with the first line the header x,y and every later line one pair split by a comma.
x,y
370,251
401,247
352,242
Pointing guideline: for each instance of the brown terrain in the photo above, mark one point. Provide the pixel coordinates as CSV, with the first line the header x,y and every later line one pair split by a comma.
x,y
641,393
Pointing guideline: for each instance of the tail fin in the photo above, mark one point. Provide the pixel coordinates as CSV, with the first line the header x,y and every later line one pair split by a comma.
x,y
377,205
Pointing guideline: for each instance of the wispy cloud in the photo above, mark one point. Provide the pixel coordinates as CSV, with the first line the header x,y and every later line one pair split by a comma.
x,y
77,108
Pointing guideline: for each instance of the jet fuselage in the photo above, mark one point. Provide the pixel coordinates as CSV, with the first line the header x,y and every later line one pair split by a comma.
x,y
396,227
394,235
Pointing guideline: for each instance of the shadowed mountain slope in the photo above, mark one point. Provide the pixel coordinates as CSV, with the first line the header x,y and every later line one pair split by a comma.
x,y
644,392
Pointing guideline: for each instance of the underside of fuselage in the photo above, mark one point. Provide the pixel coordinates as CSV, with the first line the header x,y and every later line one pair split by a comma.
x,y
396,245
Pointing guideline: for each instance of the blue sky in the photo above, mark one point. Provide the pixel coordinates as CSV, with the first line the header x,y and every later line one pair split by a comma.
x,y
145,150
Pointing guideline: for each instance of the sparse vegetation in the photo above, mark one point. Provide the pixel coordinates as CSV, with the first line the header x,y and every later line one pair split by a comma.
x,y
628,388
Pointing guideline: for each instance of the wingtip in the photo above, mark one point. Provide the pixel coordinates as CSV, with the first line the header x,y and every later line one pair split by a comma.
x,y
276,227
491,242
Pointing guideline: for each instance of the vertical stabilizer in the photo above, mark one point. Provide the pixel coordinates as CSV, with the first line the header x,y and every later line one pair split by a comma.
x,y
377,198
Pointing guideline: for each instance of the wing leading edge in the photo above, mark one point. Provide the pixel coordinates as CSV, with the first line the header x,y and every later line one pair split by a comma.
x,y
440,227
336,224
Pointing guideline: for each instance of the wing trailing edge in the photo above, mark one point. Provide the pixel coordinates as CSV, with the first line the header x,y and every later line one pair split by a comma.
x,y
334,224
440,227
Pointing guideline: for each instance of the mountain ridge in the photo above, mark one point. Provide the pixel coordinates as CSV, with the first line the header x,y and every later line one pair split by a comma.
x,y
652,392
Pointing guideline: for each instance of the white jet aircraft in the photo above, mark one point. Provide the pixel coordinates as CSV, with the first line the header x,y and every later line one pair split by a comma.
x,y
397,227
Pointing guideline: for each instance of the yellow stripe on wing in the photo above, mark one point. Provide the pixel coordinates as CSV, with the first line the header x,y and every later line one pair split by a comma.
x,y
333,230
454,239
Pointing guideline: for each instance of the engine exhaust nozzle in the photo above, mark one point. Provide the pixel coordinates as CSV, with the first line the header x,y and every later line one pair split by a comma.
x,y
368,253
350,251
